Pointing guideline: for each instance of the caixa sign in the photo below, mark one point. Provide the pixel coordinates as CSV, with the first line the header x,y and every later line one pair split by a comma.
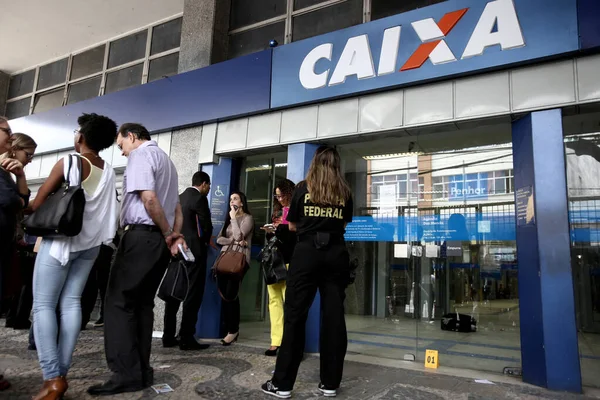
x,y
443,40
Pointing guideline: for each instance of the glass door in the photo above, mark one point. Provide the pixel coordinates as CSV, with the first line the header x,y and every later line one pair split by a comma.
x,y
258,178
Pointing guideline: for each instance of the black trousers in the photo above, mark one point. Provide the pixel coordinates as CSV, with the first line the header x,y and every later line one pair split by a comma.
x,y
191,305
97,282
230,306
22,302
310,269
140,263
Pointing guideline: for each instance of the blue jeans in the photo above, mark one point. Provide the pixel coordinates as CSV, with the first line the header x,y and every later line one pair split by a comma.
x,y
54,284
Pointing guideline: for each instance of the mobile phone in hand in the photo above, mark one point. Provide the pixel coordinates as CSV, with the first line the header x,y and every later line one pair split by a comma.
x,y
187,254
236,207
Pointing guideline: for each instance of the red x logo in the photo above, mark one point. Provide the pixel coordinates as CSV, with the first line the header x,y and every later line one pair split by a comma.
x,y
437,50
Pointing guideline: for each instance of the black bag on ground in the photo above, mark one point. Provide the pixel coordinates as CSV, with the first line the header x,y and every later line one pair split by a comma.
x,y
272,263
175,284
62,212
456,322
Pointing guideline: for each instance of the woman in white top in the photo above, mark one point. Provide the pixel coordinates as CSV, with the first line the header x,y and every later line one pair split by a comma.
x,y
63,264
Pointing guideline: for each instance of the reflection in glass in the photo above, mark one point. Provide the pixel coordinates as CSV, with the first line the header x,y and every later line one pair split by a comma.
x,y
434,242
583,180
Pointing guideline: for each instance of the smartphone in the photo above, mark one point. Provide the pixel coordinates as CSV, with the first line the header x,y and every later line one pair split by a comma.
x,y
187,254
269,226
236,207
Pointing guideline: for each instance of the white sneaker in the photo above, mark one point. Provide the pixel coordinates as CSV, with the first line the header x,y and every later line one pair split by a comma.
x,y
327,392
271,389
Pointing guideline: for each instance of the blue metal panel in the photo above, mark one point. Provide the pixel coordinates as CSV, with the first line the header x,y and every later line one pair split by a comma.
x,y
221,175
549,28
235,87
589,28
548,331
299,158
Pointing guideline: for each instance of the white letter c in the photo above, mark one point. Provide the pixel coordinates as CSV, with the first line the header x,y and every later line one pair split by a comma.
x,y
308,78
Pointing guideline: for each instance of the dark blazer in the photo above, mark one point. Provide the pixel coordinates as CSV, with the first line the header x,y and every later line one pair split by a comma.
x,y
194,207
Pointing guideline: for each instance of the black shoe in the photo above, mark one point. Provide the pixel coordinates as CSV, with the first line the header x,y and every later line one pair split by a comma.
x,y
110,388
192,344
10,323
170,342
31,347
273,390
327,391
271,353
99,323
224,343
148,378
22,325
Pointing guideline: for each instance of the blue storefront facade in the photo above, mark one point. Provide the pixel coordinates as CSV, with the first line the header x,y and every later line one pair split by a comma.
x,y
510,79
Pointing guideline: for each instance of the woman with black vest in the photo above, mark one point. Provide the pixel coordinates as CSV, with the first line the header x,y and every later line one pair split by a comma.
x,y
321,207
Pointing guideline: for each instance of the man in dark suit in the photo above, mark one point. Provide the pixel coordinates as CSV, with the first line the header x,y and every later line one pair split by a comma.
x,y
197,229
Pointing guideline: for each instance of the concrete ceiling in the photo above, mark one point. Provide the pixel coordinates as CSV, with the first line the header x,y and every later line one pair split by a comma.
x,y
33,32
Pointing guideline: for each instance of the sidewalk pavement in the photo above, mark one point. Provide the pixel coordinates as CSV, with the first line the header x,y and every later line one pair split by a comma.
x,y
238,371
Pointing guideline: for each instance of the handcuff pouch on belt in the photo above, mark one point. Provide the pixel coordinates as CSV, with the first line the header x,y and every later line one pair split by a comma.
x,y
322,240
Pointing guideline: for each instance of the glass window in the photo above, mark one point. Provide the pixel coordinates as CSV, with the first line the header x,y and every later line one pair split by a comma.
x,y
166,36
49,100
84,90
21,84
19,108
329,19
163,66
53,74
88,63
124,78
377,178
300,4
255,40
385,8
248,12
127,49
499,186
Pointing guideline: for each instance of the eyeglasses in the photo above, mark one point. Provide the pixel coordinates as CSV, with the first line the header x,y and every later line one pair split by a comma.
x,y
29,155
76,131
278,196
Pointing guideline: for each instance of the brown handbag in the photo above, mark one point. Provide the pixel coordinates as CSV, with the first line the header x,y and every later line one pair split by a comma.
x,y
231,263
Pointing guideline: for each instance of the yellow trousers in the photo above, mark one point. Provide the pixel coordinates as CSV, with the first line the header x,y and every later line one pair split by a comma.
x,y
276,300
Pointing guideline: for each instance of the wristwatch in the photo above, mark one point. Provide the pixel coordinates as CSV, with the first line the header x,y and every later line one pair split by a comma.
x,y
168,233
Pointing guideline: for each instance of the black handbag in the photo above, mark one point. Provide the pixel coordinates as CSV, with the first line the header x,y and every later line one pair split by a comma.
x,y
175,285
62,212
272,263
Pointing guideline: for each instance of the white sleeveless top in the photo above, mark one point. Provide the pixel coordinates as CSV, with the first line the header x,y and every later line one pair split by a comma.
x,y
100,216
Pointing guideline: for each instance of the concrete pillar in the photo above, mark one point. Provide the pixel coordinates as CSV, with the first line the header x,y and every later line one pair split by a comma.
x,y
204,31
549,349
4,81
185,145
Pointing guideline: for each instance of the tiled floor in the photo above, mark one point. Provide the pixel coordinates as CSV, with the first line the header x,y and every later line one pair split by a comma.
x,y
493,347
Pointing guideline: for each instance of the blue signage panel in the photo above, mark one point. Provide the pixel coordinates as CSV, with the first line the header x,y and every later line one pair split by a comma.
x,y
589,28
447,39
231,88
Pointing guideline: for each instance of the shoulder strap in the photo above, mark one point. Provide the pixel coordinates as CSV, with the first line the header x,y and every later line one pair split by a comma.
x,y
80,166
68,177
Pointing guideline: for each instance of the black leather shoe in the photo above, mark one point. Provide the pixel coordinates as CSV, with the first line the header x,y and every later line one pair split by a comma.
x,y
192,344
110,388
271,353
170,342
148,377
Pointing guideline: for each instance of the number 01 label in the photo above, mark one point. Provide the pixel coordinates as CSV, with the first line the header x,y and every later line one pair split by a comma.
x,y
431,359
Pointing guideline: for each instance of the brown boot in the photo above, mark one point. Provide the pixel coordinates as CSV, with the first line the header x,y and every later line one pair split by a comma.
x,y
53,389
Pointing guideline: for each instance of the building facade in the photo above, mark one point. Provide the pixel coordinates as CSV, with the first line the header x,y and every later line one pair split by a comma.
x,y
469,132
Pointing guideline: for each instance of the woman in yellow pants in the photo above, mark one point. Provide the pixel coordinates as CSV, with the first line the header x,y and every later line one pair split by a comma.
x,y
283,195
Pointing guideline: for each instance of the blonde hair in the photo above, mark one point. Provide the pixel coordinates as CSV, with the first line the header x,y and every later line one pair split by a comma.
x,y
324,180
21,141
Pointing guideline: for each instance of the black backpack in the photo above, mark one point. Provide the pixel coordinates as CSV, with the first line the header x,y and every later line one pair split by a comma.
x,y
272,263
